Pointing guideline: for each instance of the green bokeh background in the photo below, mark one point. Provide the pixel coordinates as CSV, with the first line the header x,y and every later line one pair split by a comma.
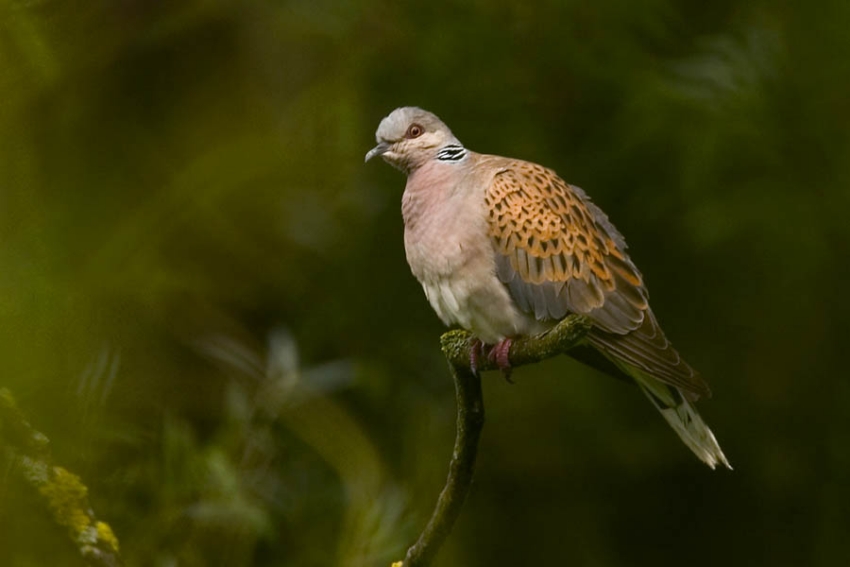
x,y
205,305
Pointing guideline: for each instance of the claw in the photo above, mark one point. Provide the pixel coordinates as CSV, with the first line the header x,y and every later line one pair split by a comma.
x,y
499,354
476,349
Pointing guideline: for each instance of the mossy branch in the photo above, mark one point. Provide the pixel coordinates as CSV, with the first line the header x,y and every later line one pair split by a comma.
x,y
63,493
456,346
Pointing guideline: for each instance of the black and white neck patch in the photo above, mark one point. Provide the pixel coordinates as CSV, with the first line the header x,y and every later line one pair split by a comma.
x,y
452,152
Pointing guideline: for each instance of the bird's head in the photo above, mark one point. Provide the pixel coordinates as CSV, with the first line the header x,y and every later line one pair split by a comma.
x,y
409,136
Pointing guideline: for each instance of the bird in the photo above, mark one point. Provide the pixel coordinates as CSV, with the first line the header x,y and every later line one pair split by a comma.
x,y
506,248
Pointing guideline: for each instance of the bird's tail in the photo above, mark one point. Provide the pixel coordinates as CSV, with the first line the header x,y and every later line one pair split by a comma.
x,y
684,419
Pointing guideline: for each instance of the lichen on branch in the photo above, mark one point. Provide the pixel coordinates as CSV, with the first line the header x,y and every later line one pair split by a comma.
x,y
62,492
456,347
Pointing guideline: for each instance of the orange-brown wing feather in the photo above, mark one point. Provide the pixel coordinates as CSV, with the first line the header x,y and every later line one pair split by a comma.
x,y
558,253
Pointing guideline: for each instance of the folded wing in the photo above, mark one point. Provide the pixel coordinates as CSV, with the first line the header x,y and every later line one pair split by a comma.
x,y
558,253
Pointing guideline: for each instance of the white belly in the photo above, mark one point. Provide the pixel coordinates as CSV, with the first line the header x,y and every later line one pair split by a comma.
x,y
483,307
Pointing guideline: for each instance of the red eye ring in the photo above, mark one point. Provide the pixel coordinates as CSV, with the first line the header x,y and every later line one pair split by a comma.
x,y
414,131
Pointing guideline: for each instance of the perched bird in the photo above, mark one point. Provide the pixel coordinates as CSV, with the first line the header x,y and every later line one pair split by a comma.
x,y
505,248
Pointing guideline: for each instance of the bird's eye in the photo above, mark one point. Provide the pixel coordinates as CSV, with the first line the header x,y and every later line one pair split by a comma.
x,y
414,131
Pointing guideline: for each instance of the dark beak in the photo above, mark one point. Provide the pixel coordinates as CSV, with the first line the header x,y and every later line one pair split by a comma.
x,y
378,150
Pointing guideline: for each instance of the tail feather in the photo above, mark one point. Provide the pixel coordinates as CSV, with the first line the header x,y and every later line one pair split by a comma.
x,y
684,419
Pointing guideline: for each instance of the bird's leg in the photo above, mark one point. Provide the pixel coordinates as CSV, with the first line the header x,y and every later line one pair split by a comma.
x,y
499,355
476,349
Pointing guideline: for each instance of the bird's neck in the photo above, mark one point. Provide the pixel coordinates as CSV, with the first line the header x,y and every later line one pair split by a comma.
x,y
452,152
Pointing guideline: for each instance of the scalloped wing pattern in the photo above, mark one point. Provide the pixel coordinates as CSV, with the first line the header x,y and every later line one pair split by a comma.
x,y
558,253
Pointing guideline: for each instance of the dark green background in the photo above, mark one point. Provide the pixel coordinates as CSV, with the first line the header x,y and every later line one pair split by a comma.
x,y
204,300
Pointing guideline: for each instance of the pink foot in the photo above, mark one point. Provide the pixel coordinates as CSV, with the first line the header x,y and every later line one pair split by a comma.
x,y
499,355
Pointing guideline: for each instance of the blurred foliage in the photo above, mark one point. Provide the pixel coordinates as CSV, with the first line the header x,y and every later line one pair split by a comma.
x,y
205,303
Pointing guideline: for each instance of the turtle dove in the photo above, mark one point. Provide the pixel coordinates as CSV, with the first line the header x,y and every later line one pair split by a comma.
x,y
506,248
